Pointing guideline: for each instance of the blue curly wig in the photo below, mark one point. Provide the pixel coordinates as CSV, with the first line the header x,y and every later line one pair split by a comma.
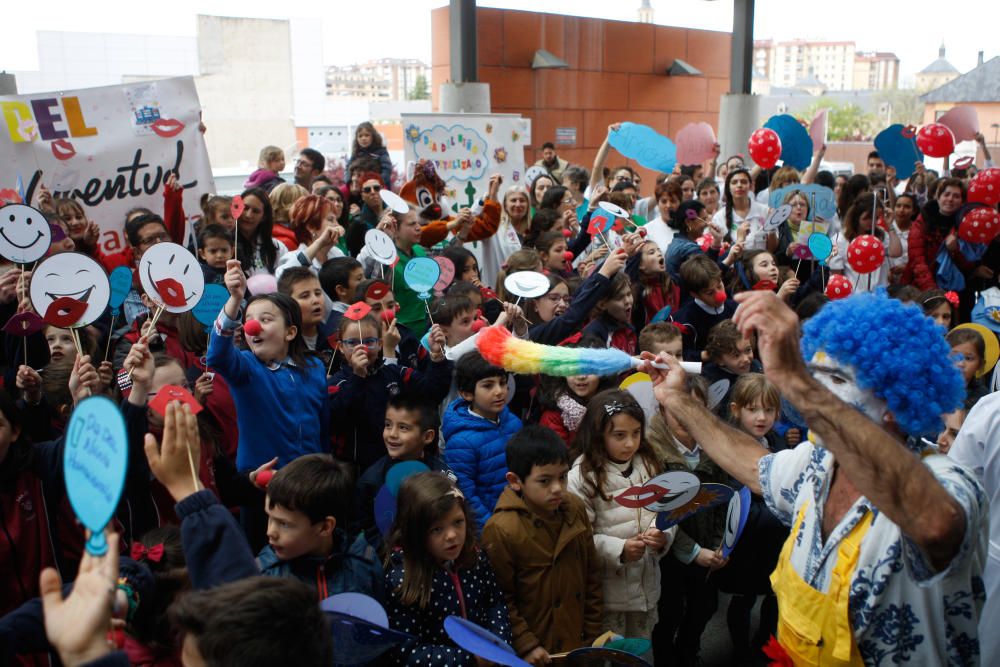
x,y
897,352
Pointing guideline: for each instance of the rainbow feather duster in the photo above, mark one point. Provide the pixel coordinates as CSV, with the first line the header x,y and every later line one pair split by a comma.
x,y
502,349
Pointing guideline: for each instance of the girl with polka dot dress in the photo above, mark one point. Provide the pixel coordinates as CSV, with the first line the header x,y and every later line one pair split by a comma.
x,y
436,570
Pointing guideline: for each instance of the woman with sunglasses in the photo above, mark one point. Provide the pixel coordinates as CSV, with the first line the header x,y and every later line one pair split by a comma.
x,y
372,210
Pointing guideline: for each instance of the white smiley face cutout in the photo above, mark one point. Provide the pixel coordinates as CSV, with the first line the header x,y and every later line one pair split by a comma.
x,y
69,289
527,284
25,236
171,276
381,246
733,518
681,488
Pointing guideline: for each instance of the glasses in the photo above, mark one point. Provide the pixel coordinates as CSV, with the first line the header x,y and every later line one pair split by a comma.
x,y
556,298
155,238
371,188
354,342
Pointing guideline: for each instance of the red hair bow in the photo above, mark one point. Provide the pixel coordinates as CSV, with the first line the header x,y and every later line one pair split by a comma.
x,y
153,553
952,298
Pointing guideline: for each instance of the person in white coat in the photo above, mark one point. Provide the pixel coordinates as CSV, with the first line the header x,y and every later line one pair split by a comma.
x,y
617,459
977,447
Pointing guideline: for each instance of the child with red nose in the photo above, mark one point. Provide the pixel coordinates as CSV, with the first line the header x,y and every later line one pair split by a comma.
x,y
702,279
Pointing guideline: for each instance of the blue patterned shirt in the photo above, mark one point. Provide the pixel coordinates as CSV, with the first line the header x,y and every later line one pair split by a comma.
x,y
902,610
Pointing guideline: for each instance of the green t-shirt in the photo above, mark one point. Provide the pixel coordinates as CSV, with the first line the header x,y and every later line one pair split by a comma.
x,y
412,311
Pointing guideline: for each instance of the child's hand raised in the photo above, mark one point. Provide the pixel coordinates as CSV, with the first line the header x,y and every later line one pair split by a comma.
x,y
139,362
359,361
437,340
83,380
614,263
236,282
30,382
788,289
174,461
633,550
390,337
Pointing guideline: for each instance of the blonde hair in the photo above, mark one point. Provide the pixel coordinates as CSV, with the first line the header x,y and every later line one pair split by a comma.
x,y
785,176
751,388
282,197
516,189
267,154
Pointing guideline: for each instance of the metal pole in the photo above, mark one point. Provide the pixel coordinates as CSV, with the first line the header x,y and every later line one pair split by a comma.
x,y
741,58
462,34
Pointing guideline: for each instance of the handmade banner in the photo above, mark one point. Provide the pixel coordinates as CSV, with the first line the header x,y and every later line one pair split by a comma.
x,y
467,149
110,148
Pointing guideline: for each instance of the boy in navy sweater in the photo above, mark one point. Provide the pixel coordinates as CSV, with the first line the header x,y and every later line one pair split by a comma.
x,y
702,279
360,390
410,434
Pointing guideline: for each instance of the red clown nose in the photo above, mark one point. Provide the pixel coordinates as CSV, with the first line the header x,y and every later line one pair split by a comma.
x,y
720,297
252,328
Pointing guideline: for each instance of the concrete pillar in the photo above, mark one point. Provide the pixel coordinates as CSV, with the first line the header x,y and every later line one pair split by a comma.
x,y
739,116
464,98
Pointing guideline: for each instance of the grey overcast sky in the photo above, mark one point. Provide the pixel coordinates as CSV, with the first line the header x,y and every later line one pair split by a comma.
x,y
357,31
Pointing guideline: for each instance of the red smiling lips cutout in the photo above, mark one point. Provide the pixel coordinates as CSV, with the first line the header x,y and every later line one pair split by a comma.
x,y
65,311
635,497
172,292
167,127
172,392
62,149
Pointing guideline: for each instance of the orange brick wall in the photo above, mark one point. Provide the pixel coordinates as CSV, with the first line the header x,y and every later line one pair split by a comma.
x,y
617,72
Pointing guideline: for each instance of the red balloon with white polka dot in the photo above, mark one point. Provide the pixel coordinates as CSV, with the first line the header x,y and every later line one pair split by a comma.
x,y
935,140
865,253
985,187
764,147
980,225
838,287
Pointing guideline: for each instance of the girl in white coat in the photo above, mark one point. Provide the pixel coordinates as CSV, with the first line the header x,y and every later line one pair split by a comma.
x,y
616,458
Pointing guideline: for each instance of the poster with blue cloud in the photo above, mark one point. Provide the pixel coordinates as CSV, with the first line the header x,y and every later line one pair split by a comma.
x,y
467,149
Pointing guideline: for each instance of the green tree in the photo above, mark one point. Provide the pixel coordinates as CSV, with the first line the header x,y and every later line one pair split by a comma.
x,y
904,106
420,89
844,121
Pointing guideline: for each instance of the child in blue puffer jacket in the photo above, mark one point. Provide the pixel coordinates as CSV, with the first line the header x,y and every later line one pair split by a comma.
x,y
476,428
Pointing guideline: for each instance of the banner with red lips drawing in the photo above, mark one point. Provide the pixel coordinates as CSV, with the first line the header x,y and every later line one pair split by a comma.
x,y
110,148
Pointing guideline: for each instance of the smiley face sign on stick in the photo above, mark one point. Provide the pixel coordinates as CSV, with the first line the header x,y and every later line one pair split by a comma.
x,y
171,276
69,289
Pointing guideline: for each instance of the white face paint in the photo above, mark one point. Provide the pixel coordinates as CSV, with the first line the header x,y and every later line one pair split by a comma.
x,y
841,380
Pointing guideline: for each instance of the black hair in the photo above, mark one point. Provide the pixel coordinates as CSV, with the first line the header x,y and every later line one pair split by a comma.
x,y
727,194
291,276
811,305
543,220
449,307
462,288
133,226
256,622
679,217
459,256
363,164
548,144
471,368
316,485
826,179
315,157
427,415
621,186
534,445
214,231
552,199
873,154
336,273
376,138
345,216
261,242
289,307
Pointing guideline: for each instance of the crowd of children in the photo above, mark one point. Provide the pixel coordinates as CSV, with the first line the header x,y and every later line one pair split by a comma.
x,y
514,524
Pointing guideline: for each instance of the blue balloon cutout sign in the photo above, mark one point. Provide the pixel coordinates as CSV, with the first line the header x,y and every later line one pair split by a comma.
x,y
645,145
796,144
121,284
898,150
211,304
94,466
822,201
421,274
820,246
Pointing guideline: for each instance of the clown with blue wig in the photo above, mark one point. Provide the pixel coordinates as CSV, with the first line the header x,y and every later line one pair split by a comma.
x,y
884,561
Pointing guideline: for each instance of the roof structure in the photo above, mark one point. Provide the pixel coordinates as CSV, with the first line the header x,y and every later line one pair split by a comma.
x,y
939,66
981,84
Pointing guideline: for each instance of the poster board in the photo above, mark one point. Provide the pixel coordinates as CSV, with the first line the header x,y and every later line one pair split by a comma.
x,y
110,148
467,148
